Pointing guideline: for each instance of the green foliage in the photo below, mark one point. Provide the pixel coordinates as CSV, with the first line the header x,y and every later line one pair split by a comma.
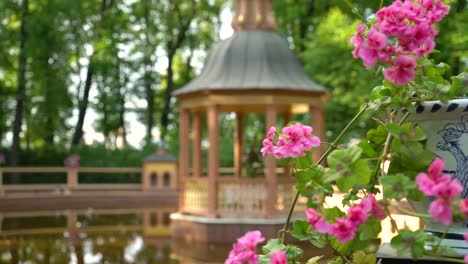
x,y
347,169
293,253
400,186
409,242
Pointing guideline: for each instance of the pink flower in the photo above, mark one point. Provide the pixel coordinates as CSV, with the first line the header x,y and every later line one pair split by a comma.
x,y
465,236
251,239
368,55
425,183
243,251
278,257
344,230
464,207
466,259
357,215
441,212
436,168
267,147
271,133
294,141
402,72
447,190
376,39
357,40
319,224
375,209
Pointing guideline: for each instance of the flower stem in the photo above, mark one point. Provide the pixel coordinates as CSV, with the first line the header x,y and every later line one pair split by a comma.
x,y
322,158
412,213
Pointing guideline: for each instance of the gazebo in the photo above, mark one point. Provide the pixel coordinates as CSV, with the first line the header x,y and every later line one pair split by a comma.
x,y
252,72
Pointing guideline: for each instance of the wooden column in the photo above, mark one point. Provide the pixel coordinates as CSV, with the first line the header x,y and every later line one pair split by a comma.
x,y
197,164
317,118
238,150
270,165
286,120
213,160
72,178
183,153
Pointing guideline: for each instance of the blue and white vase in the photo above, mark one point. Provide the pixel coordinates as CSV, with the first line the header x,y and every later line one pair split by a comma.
x,y
446,127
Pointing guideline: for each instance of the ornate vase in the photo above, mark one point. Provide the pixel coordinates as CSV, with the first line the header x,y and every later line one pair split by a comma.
x,y
446,127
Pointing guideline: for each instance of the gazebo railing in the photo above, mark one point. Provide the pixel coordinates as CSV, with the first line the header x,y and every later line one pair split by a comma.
x,y
238,197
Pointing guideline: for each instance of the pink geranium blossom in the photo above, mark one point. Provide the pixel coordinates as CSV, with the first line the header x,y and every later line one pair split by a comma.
x,y
357,215
293,141
278,257
343,229
464,207
243,251
374,208
440,211
318,223
402,72
403,32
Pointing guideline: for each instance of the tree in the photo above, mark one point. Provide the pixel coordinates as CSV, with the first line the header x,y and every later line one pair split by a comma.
x,y
83,103
20,93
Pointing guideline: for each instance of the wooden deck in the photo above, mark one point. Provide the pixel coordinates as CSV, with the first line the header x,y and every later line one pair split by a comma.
x,y
83,200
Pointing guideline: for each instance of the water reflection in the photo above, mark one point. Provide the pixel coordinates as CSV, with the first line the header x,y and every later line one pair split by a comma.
x,y
90,236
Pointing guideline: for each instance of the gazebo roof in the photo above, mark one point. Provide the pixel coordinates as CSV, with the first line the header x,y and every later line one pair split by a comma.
x,y
252,60
160,155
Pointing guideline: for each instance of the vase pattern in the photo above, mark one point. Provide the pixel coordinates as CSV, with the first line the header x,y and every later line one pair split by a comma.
x,y
446,128
451,135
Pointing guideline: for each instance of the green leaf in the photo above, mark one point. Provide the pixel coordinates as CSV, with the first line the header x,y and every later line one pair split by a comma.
x,y
293,253
378,136
408,241
348,156
272,245
283,162
370,229
304,162
368,149
361,257
314,260
358,175
332,213
302,230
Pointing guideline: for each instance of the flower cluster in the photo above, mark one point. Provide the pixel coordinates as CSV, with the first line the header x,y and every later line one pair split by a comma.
x,y
345,228
403,32
278,257
293,142
443,187
243,251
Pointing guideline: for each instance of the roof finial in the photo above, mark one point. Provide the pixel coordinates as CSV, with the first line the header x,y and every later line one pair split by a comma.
x,y
253,15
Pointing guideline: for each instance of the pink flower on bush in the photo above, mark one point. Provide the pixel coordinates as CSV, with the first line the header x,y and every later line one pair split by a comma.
x,y
319,224
402,72
243,251
403,32
444,188
464,207
343,229
357,215
278,257
440,211
293,142
371,205
449,190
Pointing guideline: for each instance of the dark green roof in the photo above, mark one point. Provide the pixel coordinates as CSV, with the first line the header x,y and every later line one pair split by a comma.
x,y
156,157
252,60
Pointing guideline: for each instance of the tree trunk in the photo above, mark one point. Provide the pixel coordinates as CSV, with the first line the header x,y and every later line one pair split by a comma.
x,y
167,100
149,93
77,136
83,105
21,90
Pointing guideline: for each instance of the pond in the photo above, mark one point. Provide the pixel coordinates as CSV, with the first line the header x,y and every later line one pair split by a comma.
x,y
98,236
